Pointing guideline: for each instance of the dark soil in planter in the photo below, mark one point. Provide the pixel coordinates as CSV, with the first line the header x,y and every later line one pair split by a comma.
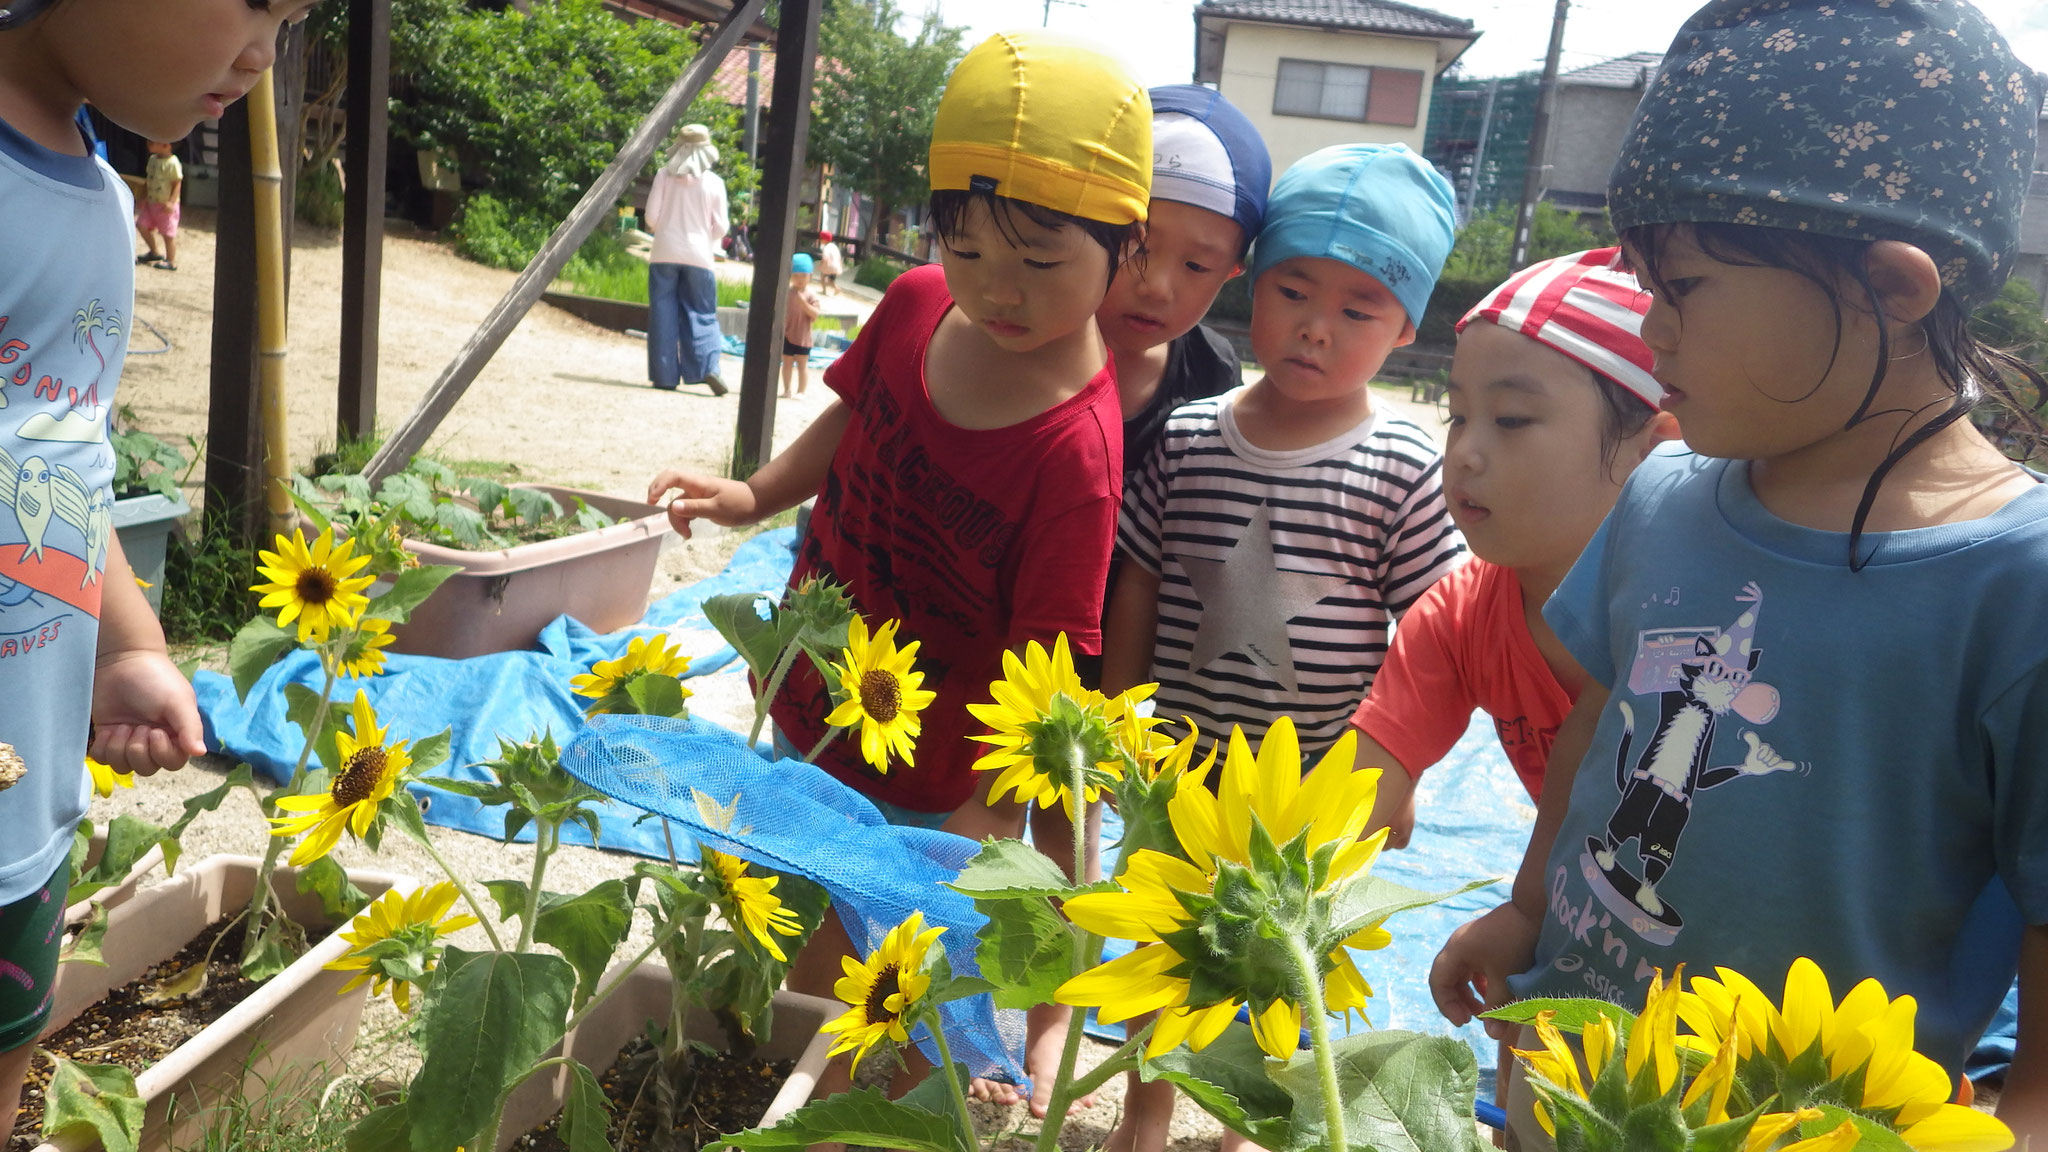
x,y
126,1029
724,1094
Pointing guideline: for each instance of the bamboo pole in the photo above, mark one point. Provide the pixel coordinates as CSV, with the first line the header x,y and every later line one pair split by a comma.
x,y
270,302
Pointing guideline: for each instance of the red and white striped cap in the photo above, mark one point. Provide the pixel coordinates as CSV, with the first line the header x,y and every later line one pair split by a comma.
x,y
1584,306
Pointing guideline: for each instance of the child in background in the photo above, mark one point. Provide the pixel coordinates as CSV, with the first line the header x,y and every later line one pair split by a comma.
x,y
98,680
1278,530
831,262
1817,644
968,477
157,215
798,314
1552,406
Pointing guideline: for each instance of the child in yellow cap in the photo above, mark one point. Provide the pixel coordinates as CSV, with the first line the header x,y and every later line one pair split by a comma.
x,y
969,474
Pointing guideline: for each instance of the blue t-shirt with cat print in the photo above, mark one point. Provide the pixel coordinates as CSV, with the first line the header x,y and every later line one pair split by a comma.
x,y
67,292
1797,759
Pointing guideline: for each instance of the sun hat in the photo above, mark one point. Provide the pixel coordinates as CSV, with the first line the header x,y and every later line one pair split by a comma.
x,y
800,263
1047,119
1903,120
1377,207
1584,306
695,153
1207,153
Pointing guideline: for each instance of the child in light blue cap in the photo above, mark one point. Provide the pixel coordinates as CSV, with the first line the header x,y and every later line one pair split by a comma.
x,y
797,318
1279,530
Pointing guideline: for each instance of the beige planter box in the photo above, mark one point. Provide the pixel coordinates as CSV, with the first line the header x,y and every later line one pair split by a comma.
x,y
644,996
295,1018
500,601
118,894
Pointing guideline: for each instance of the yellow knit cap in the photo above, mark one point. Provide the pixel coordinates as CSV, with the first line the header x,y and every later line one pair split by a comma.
x,y
1050,120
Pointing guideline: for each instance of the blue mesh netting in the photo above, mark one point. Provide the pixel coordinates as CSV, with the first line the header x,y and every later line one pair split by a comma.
x,y
792,817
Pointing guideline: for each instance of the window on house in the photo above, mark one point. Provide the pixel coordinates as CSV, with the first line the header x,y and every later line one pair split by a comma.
x,y
1348,92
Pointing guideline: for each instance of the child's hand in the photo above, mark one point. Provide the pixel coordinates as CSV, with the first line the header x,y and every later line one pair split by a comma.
x,y
1470,975
713,498
144,715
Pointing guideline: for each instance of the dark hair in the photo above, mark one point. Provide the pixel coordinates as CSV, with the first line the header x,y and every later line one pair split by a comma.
x,y
1622,415
1976,374
949,211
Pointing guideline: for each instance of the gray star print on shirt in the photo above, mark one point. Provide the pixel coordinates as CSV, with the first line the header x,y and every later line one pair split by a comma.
x,y
1247,601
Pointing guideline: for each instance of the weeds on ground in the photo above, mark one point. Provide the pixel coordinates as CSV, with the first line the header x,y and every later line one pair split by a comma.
x,y
206,595
302,1109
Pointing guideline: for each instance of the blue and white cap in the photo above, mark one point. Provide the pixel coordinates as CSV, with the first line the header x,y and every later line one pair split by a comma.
x,y
1207,154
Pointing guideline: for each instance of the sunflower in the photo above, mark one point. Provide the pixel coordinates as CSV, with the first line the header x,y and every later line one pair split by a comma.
x,y
369,773
392,940
1327,809
884,694
883,989
1039,715
645,656
760,909
1866,1042
105,779
315,585
1652,1043
365,653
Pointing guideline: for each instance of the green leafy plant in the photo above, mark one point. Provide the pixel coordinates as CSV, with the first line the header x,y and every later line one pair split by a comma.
x,y
878,272
144,464
430,501
206,595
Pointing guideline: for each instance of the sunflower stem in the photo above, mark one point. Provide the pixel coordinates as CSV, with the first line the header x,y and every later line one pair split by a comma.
x,y
1310,979
938,1027
775,677
482,917
259,901
1122,1060
543,847
598,997
1064,1092
811,757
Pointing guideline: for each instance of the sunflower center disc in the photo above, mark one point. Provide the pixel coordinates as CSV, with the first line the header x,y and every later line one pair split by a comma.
x,y
880,695
877,1007
359,776
316,586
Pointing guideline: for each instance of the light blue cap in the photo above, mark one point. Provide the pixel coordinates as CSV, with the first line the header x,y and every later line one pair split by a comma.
x,y
1377,207
801,262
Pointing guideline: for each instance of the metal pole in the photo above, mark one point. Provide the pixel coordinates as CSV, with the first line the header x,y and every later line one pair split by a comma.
x,y
362,229
1479,153
1546,99
789,131
595,206
753,105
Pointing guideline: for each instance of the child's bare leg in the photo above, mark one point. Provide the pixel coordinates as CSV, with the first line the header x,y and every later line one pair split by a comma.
x,y
148,241
978,820
803,374
170,249
814,971
788,364
1045,1027
1148,1108
13,1071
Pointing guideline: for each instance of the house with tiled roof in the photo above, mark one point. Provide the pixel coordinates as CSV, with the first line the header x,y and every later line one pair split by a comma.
x,y
1312,73
1594,106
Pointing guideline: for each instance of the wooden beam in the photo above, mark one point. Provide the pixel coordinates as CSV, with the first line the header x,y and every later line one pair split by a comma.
x,y
362,228
594,209
234,448
789,133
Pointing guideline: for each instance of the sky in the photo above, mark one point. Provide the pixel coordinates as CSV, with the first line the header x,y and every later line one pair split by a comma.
x,y
1156,38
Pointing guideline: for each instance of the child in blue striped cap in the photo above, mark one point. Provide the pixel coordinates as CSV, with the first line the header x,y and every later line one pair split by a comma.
x,y
1277,531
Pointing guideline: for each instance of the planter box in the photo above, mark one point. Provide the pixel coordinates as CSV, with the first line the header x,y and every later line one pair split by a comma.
x,y
644,996
144,524
500,601
617,315
294,1018
118,894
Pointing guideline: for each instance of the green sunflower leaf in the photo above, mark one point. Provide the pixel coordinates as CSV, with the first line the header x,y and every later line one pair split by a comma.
x,y
586,929
1402,1091
409,589
862,1116
96,1098
1573,1014
1371,900
758,641
1027,950
254,649
1014,870
339,897
586,1115
1228,1079
488,1017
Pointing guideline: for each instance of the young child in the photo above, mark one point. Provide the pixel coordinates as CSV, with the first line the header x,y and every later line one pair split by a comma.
x,y
97,664
798,315
1552,406
831,262
157,215
969,475
1817,646
1278,530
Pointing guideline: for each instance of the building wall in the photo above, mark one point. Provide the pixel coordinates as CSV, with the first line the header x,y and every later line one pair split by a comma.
x,y
1251,67
2032,265
1585,136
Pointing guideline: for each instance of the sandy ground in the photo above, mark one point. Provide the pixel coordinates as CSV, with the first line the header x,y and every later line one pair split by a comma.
x,y
566,402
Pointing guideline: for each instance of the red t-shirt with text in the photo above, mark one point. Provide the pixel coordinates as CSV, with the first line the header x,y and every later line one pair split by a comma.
x,y
1464,645
976,539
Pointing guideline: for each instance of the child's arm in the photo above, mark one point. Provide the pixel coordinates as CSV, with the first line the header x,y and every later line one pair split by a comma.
x,y
1130,629
1394,809
1470,975
2024,1103
143,712
792,477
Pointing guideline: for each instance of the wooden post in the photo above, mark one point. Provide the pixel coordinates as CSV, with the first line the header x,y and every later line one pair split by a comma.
x,y
234,437
362,228
593,209
789,132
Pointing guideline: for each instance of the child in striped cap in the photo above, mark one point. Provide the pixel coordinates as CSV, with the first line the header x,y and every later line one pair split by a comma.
x,y
1552,406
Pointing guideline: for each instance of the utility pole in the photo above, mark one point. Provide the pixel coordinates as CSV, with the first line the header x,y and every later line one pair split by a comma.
x,y
1539,134
753,120
1046,20
1479,153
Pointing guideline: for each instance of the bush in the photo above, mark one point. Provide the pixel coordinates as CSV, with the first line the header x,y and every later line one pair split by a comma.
x,y
490,231
1452,298
319,195
206,596
2013,323
878,272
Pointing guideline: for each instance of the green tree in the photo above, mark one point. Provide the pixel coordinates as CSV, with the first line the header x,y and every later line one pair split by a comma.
x,y
876,93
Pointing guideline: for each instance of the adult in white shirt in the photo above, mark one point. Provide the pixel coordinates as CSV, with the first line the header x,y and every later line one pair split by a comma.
x,y
686,211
